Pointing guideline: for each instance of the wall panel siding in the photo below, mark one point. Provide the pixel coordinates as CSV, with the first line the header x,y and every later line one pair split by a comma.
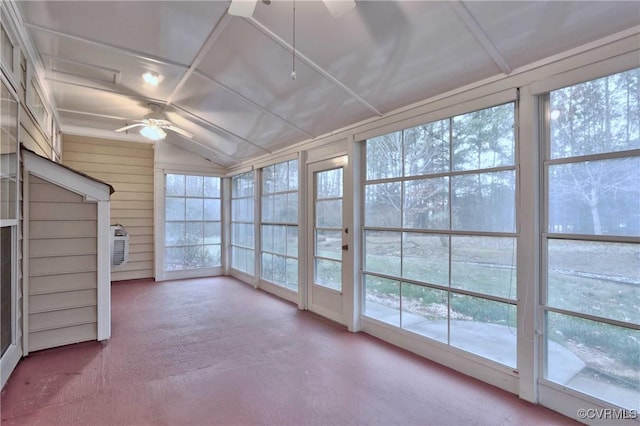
x,y
128,167
62,267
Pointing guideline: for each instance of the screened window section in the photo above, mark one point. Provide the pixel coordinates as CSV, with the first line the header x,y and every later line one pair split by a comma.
x,y
192,222
242,223
440,233
279,262
592,238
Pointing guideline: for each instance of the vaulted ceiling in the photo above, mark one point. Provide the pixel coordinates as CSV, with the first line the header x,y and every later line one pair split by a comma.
x,y
228,80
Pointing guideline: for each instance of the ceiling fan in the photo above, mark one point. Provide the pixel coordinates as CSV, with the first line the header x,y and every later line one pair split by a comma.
x,y
245,8
154,124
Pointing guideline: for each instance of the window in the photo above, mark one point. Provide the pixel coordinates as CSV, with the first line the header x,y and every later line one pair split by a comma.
x,y
192,222
242,223
279,261
440,231
592,238
9,50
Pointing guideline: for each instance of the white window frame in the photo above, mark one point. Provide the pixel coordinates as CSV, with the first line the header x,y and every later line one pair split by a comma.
x,y
249,277
159,211
33,89
279,289
12,72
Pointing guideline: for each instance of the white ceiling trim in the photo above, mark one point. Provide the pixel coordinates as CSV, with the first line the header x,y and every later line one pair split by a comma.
x,y
299,55
206,122
79,82
93,114
476,29
252,103
204,49
129,52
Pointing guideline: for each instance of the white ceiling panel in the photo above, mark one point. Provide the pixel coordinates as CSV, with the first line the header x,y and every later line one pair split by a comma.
x,y
222,108
68,53
172,30
247,60
527,31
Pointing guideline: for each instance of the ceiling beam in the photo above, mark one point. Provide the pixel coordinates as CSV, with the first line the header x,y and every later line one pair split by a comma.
x,y
204,49
481,36
253,103
125,51
266,31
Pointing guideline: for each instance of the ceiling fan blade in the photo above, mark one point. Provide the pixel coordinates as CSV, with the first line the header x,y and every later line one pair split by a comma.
x,y
179,131
338,7
130,126
243,8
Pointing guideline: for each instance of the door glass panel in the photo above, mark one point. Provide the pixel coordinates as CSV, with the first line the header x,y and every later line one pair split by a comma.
x,y
328,229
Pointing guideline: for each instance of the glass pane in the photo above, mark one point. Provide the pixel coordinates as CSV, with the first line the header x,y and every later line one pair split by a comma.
x,y
242,210
268,183
329,244
194,186
601,279
329,214
267,208
212,233
484,139
293,175
281,177
279,270
211,209
7,51
484,265
211,187
211,256
292,274
484,327
384,156
383,204
267,238
175,185
595,197
596,117
426,149
8,155
194,233
292,241
266,266
242,185
425,257
329,184
328,273
195,209
280,208
382,252
174,258
174,208
280,239
426,203
6,310
292,208
598,359
382,299
174,233
424,311
484,202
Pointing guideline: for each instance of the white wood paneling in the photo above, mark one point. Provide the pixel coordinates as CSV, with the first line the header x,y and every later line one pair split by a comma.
x,y
129,169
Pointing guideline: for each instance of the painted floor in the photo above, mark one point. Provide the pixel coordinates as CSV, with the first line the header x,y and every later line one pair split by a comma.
x,y
218,352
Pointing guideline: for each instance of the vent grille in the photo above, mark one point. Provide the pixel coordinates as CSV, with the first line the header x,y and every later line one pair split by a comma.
x,y
119,245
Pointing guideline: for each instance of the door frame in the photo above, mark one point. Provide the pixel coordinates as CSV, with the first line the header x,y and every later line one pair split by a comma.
x,y
338,297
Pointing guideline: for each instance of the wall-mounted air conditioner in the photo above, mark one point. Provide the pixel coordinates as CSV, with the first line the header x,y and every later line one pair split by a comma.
x,y
119,245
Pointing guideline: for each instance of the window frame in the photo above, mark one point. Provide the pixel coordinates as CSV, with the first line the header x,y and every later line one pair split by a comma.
x,y
253,274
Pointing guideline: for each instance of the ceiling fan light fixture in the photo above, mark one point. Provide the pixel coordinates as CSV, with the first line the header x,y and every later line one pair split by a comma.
x,y
153,132
152,78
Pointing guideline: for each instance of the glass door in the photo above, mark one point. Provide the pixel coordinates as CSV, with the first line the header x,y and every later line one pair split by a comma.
x,y
325,296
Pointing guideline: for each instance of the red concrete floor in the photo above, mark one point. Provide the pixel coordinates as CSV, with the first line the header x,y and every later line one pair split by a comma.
x,y
216,351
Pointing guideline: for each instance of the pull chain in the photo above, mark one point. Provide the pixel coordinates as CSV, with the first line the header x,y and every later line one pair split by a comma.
x,y
293,59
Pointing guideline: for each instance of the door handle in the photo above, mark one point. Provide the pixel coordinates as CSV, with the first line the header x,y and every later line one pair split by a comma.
x,y
345,247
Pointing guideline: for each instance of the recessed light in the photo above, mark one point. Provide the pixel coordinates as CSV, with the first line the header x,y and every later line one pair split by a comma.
x,y
151,78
